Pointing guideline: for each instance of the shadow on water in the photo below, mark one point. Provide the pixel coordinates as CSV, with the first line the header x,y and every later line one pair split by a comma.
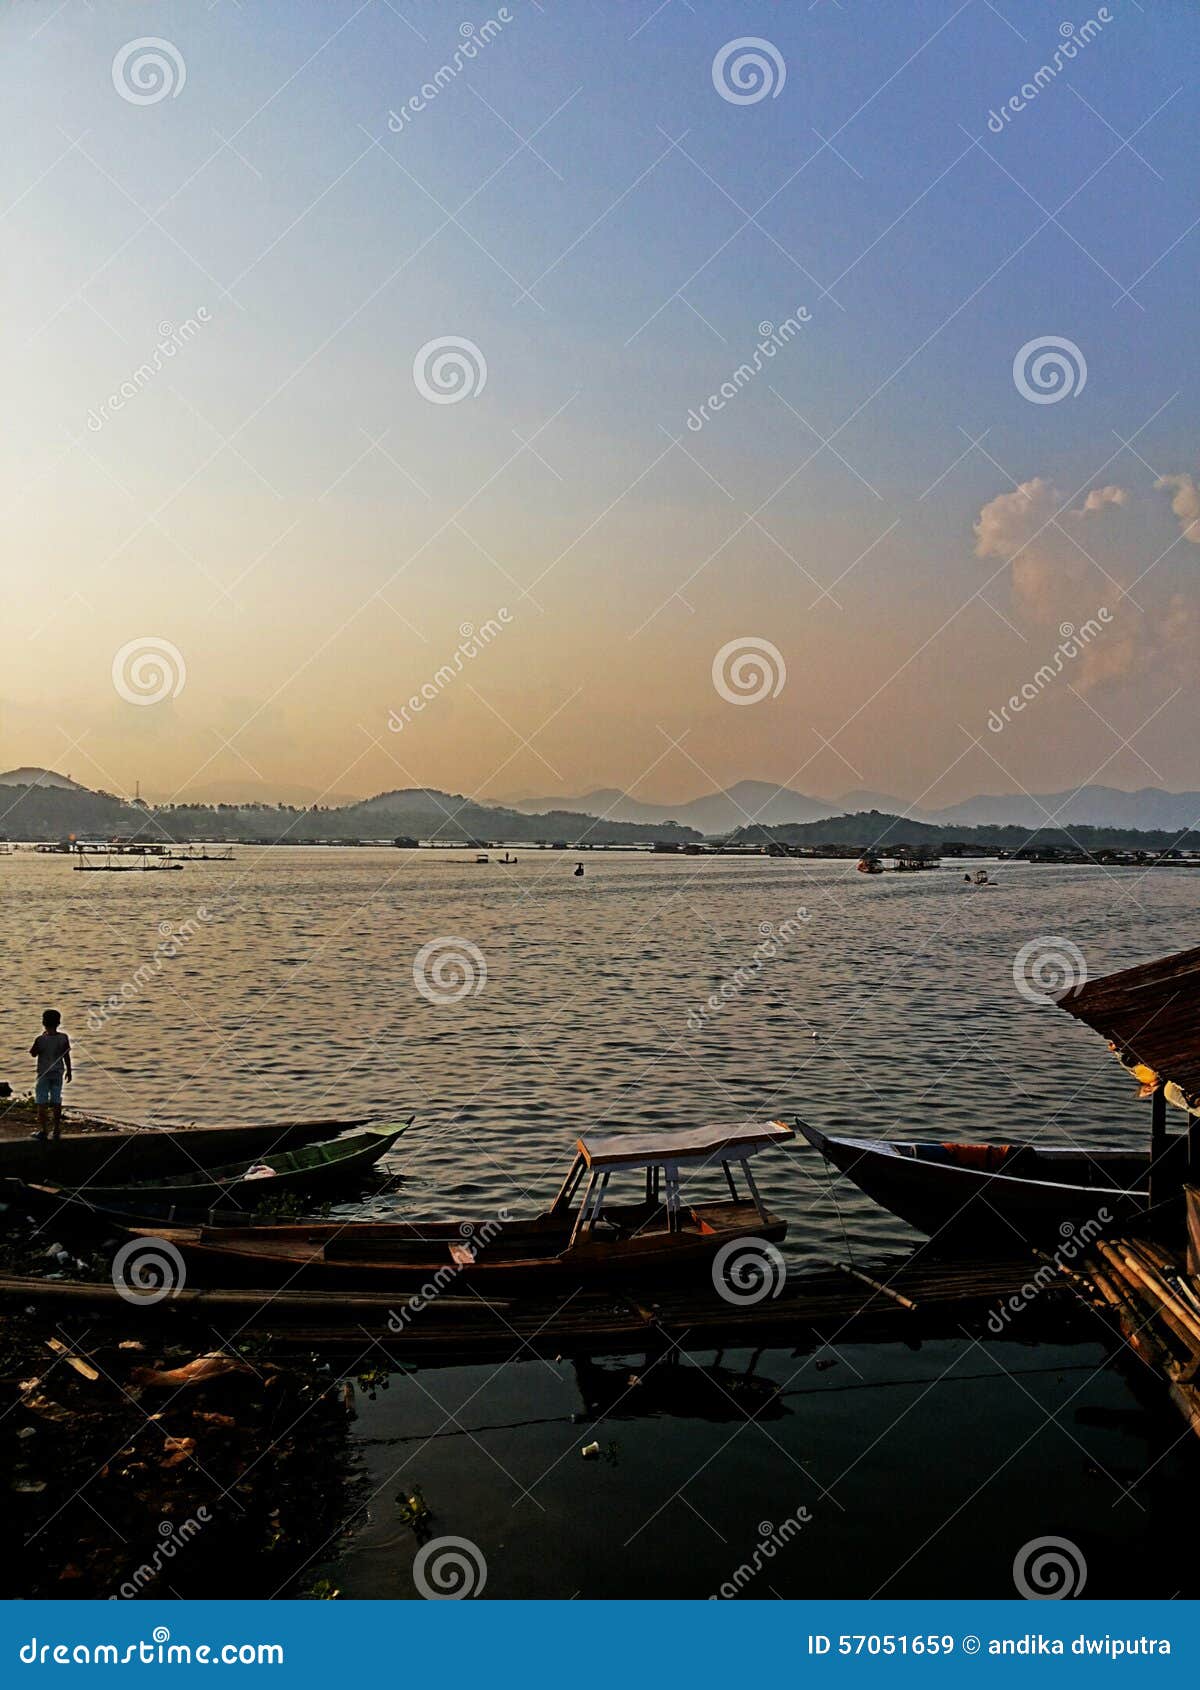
x,y
899,1470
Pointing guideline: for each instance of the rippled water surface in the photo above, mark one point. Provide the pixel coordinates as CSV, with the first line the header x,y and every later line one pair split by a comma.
x,y
888,1008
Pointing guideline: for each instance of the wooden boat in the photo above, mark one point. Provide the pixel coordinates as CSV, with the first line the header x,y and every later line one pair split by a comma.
x,y
571,1243
869,864
307,1168
993,1193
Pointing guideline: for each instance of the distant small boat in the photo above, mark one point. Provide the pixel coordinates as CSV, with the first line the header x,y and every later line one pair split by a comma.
x,y
990,1193
482,857
506,858
869,865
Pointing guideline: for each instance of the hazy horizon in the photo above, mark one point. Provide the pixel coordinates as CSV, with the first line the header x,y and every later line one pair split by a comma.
x,y
312,377
247,792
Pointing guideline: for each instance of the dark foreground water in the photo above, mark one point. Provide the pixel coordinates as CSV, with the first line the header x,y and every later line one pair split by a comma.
x,y
925,1471
282,985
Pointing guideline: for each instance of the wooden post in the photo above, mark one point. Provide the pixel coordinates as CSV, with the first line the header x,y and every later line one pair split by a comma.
x,y
1193,1147
1158,1145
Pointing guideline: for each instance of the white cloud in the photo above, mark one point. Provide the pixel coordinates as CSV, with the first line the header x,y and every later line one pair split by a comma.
x,y
1185,504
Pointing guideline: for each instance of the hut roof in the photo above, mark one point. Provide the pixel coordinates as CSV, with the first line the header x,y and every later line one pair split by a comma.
x,y
1151,1016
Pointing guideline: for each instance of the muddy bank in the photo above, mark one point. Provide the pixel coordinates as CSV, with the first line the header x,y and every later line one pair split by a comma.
x,y
141,1470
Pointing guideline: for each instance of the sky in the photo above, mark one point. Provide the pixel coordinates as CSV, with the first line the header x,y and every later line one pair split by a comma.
x,y
327,395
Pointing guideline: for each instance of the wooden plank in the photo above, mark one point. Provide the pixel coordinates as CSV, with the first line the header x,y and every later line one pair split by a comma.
x,y
877,1285
924,1297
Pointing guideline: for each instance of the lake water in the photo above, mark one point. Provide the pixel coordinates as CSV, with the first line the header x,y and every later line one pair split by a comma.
x,y
888,1008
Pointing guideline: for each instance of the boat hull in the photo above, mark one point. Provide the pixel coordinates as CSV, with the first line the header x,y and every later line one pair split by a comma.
x,y
315,1167
420,1260
985,1206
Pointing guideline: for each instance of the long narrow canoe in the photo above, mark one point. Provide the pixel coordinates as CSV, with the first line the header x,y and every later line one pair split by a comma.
x,y
509,1258
310,1167
1005,1194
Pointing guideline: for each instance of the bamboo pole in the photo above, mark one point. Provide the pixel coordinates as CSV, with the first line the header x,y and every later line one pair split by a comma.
x,y
876,1285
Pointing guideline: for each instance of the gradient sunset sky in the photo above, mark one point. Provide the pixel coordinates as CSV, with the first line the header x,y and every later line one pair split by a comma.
x,y
583,203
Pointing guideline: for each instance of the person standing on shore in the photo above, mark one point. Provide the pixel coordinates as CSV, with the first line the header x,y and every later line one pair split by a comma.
x,y
53,1052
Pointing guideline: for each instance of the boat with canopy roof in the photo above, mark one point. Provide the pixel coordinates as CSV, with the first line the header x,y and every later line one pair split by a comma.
x,y
584,1237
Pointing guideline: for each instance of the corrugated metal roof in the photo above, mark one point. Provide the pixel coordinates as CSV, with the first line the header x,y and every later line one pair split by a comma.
x,y
1151,1014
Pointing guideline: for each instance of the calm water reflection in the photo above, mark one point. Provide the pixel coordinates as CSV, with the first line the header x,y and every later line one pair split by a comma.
x,y
296,997
889,1008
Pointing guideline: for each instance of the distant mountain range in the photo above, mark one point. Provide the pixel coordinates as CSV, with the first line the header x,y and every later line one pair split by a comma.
x,y
718,812
40,806
46,805
775,806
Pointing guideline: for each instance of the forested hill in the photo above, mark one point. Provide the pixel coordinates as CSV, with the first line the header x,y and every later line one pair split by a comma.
x,y
879,831
41,812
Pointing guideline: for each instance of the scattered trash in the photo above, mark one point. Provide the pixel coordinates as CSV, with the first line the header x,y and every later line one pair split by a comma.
x,y
590,1452
84,1369
202,1371
413,1509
